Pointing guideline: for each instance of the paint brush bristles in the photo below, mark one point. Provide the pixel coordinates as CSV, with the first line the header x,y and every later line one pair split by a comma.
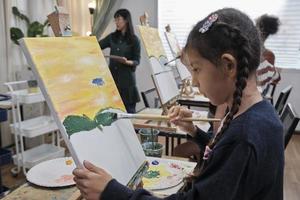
x,y
172,60
161,117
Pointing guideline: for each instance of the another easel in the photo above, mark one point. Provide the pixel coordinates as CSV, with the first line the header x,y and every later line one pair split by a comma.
x,y
60,22
144,20
186,90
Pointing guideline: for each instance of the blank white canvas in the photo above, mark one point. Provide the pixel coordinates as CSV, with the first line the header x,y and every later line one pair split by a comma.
x,y
173,43
157,66
182,70
166,86
175,49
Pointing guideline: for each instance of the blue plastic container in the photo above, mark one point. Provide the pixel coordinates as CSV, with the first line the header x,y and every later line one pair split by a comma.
x,y
5,157
3,115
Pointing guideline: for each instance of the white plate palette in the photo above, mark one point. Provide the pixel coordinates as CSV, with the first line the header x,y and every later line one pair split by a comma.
x,y
164,173
53,173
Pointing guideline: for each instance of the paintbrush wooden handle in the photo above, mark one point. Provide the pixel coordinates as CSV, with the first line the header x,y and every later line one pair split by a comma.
x,y
163,118
200,119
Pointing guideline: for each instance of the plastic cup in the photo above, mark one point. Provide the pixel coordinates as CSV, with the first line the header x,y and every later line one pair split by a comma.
x,y
148,135
153,149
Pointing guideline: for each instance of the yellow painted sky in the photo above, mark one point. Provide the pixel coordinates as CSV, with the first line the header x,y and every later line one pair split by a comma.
x,y
67,66
152,42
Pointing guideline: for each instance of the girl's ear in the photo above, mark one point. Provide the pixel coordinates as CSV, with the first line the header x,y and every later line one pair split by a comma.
x,y
229,65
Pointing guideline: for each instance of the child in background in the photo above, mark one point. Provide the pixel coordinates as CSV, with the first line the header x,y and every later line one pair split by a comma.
x,y
267,72
245,158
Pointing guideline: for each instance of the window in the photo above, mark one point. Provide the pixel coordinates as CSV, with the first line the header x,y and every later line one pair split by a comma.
x,y
182,15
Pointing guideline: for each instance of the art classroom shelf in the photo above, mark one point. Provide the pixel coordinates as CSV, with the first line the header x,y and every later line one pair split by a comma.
x,y
25,97
38,154
30,128
35,127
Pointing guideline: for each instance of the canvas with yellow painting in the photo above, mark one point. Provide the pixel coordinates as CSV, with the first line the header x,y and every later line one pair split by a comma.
x,y
80,91
152,42
153,46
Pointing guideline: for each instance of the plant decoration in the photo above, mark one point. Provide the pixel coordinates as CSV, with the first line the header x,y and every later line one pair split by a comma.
x,y
34,29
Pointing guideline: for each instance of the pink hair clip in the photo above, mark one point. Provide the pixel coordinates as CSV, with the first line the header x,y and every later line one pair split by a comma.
x,y
208,23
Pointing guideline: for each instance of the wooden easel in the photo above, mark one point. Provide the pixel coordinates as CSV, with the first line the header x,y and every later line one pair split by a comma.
x,y
186,90
144,19
164,105
60,22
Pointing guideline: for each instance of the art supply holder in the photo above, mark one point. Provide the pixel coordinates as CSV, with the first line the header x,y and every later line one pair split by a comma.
x,y
30,128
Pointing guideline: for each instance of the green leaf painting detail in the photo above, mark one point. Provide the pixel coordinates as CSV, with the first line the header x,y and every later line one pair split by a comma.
x,y
105,119
152,174
76,123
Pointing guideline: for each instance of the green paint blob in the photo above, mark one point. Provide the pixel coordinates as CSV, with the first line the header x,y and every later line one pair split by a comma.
x,y
105,119
76,123
152,174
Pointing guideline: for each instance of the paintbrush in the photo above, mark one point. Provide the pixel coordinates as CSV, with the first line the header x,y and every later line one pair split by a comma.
x,y
172,60
154,117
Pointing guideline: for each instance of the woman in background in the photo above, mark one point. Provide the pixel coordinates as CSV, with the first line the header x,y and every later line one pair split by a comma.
x,y
124,58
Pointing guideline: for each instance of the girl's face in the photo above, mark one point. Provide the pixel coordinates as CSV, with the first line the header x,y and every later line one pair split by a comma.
x,y
121,23
216,82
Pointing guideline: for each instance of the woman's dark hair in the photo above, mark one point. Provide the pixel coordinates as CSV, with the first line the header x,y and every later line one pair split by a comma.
x,y
234,33
267,25
129,35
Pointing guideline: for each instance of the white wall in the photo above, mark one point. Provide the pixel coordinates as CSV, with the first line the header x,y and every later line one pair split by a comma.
x,y
290,77
137,8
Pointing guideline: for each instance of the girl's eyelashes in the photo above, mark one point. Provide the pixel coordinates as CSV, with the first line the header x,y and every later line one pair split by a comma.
x,y
195,70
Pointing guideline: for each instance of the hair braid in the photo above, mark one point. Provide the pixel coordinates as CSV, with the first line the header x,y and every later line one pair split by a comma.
x,y
243,56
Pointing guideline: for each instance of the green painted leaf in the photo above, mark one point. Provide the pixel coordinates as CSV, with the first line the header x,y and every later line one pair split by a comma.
x,y
105,118
74,124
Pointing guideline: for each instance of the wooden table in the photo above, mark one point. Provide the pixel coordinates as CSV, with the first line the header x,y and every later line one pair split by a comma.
x,y
29,191
166,130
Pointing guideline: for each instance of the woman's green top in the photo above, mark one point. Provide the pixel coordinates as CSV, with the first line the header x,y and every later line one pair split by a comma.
x,y
124,75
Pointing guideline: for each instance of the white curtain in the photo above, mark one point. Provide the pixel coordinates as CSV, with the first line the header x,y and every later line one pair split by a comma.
x,y
12,59
79,14
4,43
104,12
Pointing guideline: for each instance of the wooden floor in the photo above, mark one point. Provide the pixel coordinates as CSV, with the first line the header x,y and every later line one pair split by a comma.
x,y
291,177
292,169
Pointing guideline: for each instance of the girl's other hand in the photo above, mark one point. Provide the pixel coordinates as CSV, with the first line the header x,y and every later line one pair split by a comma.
x,y
91,181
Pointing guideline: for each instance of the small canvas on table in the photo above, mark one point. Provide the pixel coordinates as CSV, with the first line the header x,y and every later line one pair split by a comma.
x,y
79,89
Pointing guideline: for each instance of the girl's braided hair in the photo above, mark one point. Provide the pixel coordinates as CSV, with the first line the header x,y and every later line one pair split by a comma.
x,y
233,32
